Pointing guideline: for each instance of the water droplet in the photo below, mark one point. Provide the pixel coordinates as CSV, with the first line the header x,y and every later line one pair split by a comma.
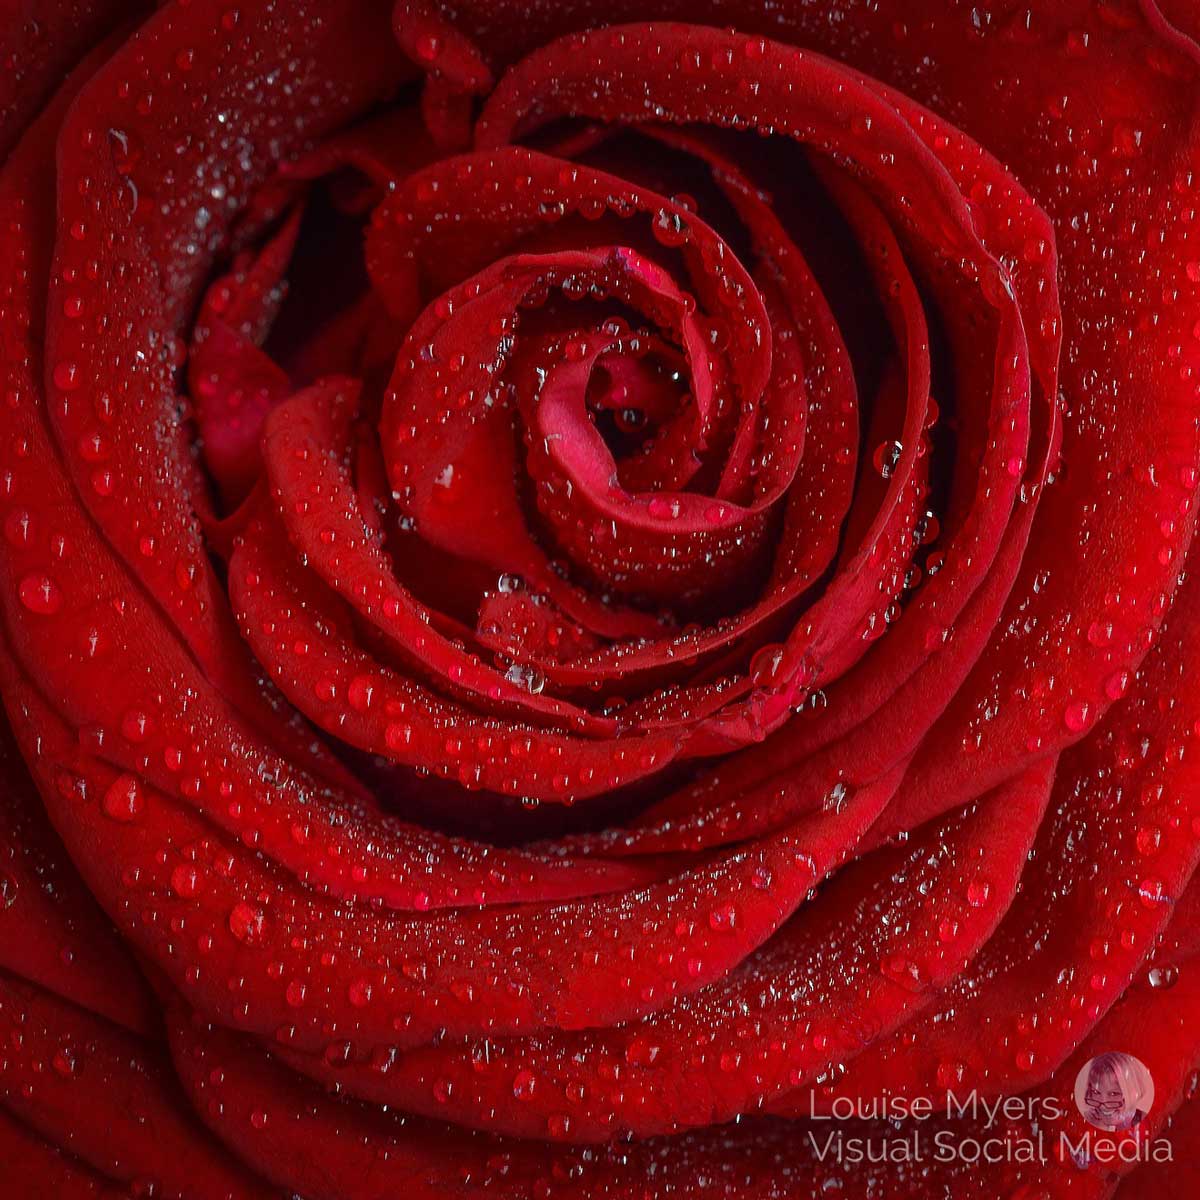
x,y
123,801
40,594
886,457
527,677
641,1052
670,228
1075,716
766,667
65,1062
1149,839
186,880
1162,978
723,918
246,922
66,376
360,693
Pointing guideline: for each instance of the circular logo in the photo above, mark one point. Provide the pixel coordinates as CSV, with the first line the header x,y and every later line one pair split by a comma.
x,y
1114,1091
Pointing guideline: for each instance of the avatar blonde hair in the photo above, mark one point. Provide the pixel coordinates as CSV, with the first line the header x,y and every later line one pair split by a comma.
x,y
1132,1078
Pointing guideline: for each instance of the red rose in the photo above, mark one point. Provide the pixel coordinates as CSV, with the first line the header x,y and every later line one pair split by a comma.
x,y
594,602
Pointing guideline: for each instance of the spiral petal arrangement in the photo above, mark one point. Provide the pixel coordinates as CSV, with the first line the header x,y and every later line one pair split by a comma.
x,y
587,586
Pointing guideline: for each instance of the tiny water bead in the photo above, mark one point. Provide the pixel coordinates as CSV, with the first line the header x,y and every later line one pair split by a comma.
x,y
67,376
246,922
66,1062
40,594
723,918
186,881
360,993
887,457
1076,716
670,227
631,420
123,800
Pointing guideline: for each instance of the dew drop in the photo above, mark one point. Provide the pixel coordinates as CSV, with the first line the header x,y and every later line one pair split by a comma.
x,y
766,667
65,1062
723,919
40,594
1075,716
1161,978
186,881
886,457
670,228
123,801
66,376
526,677
245,922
